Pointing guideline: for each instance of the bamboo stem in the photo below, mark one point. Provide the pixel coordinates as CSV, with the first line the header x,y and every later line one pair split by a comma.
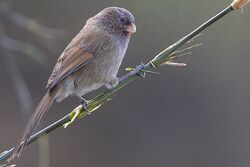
x,y
97,101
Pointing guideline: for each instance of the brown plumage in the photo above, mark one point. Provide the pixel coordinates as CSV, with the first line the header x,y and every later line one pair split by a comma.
x,y
91,60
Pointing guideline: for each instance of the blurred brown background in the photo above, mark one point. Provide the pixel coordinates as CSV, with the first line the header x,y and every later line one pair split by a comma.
x,y
194,116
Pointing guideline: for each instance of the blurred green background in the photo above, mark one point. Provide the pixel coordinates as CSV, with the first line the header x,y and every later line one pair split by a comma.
x,y
193,116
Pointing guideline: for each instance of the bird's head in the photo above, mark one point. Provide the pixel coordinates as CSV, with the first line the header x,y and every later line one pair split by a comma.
x,y
116,20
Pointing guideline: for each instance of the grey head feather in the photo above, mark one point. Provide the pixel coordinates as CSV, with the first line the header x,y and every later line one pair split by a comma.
x,y
114,20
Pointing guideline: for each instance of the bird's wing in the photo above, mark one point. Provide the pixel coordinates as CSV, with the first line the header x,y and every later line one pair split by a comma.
x,y
81,50
74,59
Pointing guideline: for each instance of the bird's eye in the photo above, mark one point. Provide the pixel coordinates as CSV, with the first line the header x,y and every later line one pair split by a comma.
x,y
122,20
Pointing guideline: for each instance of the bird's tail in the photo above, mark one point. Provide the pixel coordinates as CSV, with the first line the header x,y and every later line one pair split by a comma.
x,y
36,117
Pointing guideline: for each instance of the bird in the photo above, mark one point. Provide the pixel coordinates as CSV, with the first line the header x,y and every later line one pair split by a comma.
x,y
91,60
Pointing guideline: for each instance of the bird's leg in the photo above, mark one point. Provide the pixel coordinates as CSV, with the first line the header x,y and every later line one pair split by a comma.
x,y
139,70
84,103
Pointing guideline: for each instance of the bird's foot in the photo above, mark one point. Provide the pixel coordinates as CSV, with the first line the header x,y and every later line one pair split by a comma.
x,y
140,70
74,114
84,103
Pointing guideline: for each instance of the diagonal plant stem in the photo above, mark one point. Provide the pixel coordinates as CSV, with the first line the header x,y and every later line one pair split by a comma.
x,y
165,56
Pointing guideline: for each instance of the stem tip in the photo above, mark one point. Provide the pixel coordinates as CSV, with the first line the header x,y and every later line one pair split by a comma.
x,y
237,4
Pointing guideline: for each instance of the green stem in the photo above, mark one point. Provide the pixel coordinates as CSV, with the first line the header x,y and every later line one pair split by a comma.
x,y
124,80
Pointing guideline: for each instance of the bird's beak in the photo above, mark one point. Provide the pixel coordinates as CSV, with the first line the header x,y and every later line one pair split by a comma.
x,y
131,28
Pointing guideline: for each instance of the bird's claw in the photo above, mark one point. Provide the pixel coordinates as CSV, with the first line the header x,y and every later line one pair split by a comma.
x,y
139,70
77,112
84,103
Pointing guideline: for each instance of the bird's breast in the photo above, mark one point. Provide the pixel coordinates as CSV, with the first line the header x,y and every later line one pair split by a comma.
x,y
100,70
108,63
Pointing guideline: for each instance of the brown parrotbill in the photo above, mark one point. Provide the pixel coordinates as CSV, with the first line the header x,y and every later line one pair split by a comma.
x,y
91,60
